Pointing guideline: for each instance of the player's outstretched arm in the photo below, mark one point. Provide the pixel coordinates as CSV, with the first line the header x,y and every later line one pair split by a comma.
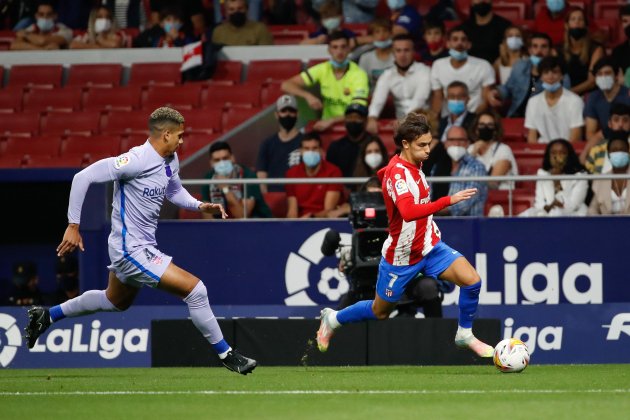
x,y
71,240
463,195
178,195
213,208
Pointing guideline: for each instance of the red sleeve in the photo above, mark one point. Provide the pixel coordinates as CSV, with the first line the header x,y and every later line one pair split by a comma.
x,y
334,172
399,191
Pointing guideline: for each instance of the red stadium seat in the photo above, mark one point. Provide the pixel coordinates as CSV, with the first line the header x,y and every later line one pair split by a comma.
x,y
510,10
277,202
11,99
270,93
118,99
314,61
121,122
179,97
204,121
228,70
11,162
528,150
130,34
22,146
20,124
607,9
194,142
289,38
514,129
236,116
83,123
89,147
261,71
66,100
245,95
40,161
529,165
95,75
132,140
48,75
146,74
521,201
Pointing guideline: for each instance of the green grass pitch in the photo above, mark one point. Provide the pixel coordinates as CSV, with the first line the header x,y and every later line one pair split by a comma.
x,y
403,392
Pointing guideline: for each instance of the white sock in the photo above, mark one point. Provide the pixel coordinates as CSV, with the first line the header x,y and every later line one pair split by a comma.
x,y
332,320
463,332
225,353
88,303
202,315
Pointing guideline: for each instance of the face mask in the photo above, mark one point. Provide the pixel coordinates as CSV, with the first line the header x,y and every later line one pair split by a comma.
x,y
514,42
395,4
45,25
223,167
373,160
102,25
238,19
287,122
456,106
457,55
331,23
486,133
456,152
604,82
339,65
169,26
436,45
555,6
619,159
577,33
551,87
481,9
535,59
311,159
383,44
355,128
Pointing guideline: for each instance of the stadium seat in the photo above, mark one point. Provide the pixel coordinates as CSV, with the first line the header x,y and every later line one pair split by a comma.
x,y
1,76
20,124
607,9
11,162
121,122
521,201
66,100
205,121
132,140
11,99
147,74
514,129
194,142
22,146
277,202
261,71
314,61
107,75
527,150
270,92
117,99
130,34
236,116
529,165
48,75
245,95
228,70
510,10
388,140
608,30
289,37
95,146
40,161
83,123
179,97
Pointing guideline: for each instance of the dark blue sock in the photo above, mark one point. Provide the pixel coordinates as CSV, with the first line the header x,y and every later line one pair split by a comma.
x,y
221,347
360,311
56,313
468,301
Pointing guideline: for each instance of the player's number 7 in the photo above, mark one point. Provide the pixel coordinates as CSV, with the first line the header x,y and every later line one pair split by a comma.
x,y
393,280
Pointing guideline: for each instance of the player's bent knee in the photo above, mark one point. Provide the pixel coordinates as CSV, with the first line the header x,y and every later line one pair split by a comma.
x,y
199,293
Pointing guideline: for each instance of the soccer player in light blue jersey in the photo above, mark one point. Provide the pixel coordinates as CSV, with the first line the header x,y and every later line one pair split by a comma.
x,y
143,178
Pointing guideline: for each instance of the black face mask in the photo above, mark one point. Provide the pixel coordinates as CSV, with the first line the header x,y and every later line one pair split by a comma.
x,y
577,33
287,122
238,19
481,9
486,133
355,129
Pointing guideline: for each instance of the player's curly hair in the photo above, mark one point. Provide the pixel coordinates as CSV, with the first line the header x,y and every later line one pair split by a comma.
x,y
163,117
411,127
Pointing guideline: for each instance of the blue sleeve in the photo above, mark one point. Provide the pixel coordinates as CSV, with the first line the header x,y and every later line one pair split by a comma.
x,y
591,106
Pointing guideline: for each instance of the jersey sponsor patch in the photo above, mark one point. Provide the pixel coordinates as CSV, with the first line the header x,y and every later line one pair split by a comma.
x,y
401,187
121,161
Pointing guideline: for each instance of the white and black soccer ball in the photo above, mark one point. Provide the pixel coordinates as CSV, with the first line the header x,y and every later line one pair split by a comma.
x,y
511,355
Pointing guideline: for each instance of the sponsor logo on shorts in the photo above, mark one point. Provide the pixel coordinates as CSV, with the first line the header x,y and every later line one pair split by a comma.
x,y
153,258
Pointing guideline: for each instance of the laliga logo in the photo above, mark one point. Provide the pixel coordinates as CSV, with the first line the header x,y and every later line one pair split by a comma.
x,y
296,272
618,326
13,338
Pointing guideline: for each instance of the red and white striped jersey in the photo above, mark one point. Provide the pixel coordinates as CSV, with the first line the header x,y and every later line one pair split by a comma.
x,y
412,231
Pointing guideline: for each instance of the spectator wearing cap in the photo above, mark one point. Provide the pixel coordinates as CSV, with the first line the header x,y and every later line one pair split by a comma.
x,y
409,83
312,200
45,34
238,29
599,102
239,202
26,285
344,151
340,81
405,19
281,151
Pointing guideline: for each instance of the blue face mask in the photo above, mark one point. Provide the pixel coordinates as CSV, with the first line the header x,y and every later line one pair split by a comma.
x,y
311,159
339,65
619,159
45,25
168,26
535,60
457,55
223,167
555,6
456,106
383,44
551,87
396,4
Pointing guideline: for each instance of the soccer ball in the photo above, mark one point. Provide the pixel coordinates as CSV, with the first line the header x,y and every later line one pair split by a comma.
x,y
511,355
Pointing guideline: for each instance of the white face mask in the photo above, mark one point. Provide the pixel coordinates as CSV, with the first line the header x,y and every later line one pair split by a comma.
x,y
102,25
373,160
514,42
604,82
456,152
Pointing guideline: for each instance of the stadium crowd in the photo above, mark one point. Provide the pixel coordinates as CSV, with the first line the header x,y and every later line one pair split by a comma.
x,y
527,87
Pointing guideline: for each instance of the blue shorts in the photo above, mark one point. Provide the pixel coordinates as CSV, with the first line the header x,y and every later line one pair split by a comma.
x,y
393,279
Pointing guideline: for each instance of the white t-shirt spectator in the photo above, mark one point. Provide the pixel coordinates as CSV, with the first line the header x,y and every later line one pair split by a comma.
x,y
476,73
374,66
555,122
497,152
410,92
59,29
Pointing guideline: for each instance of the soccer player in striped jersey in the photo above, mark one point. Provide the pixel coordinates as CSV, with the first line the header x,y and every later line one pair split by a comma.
x,y
143,178
414,244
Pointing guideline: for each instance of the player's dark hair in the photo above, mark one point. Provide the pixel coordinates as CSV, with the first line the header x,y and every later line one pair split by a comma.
x,y
338,35
573,164
219,145
410,128
163,118
310,136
